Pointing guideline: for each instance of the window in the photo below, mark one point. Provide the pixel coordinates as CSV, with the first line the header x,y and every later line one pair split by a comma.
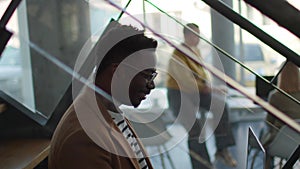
x,y
253,52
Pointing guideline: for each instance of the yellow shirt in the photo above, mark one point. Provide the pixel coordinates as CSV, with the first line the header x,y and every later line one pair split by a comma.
x,y
185,74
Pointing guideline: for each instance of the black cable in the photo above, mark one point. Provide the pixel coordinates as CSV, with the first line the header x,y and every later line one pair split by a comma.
x,y
122,12
254,30
5,35
9,12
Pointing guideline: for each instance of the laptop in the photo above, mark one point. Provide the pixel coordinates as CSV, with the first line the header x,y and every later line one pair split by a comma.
x,y
256,155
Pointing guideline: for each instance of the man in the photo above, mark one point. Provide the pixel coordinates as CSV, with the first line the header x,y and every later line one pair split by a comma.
x,y
93,133
187,83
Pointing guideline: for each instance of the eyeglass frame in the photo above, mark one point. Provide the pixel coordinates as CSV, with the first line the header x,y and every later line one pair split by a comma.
x,y
149,80
150,77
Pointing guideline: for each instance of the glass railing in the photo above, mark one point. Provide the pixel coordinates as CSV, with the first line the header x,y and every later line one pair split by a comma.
x,y
42,58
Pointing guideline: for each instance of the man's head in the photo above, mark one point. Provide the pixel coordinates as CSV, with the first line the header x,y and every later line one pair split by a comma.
x,y
127,64
189,37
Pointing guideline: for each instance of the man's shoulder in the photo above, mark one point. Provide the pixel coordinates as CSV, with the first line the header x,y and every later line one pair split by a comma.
x,y
185,52
179,53
68,148
68,126
179,49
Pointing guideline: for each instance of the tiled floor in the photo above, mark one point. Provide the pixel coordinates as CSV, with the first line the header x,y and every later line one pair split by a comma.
x,y
181,159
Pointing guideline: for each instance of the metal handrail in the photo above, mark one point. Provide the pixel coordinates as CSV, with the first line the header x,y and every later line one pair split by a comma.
x,y
254,30
290,55
291,18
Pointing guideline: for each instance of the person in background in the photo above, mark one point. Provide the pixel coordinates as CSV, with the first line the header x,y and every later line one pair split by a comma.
x,y
180,90
288,81
94,133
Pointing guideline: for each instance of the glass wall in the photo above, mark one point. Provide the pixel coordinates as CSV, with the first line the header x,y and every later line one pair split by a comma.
x,y
52,39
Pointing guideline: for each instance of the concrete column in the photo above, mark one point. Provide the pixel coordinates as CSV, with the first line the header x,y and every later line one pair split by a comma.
x,y
60,27
223,36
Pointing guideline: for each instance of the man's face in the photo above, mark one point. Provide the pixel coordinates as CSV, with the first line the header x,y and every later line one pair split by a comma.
x,y
141,85
193,39
137,80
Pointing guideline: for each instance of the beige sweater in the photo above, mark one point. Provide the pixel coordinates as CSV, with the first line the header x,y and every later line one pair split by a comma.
x,y
74,147
184,73
284,104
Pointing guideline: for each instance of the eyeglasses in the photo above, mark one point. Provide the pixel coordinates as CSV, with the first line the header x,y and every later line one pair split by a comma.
x,y
148,76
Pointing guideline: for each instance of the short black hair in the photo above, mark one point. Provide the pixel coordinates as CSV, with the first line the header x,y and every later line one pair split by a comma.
x,y
119,42
189,25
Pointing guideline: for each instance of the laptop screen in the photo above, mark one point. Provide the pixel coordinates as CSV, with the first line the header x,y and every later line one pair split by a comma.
x,y
255,152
